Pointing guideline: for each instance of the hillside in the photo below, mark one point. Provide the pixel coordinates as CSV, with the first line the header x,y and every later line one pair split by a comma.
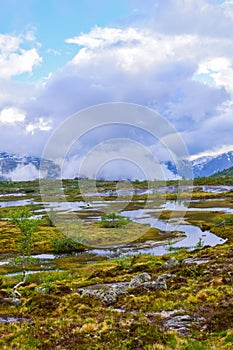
x,y
225,172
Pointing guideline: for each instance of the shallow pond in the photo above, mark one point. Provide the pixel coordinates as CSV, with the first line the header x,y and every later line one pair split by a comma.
x,y
144,216
30,272
217,189
16,203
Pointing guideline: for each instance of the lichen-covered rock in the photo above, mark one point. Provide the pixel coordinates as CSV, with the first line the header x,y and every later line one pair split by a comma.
x,y
85,291
16,301
138,280
109,293
165,276
171,263
179,321
159,284
120,288
108,296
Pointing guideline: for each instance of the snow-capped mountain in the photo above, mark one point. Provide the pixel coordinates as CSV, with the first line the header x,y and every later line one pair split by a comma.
x,y
13,166
206,166
17,167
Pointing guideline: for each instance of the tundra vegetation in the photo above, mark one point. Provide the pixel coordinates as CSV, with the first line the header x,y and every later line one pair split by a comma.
x,y
80,300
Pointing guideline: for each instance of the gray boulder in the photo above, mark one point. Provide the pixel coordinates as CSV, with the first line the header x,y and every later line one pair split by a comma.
x,y
108,296
138,280
159,284
165,276
120,288
171,263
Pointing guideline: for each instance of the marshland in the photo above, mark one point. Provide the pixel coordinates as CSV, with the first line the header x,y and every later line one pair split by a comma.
x,y
140,265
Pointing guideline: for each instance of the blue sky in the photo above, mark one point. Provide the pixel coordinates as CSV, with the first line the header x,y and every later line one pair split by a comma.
x,y
54,21
173,56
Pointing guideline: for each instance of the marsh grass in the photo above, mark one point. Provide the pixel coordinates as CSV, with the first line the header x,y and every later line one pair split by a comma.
x,y
62,318
113,220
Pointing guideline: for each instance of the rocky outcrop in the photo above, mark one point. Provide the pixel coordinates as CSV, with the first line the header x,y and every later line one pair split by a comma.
x,y
109,293
178,320
139,279
110,296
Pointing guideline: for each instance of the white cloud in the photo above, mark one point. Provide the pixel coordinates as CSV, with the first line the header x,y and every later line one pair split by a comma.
x,y
101,37
12,115
220,70
41,124
130,49
54,52
117,159
9,43
17,63
141,66
23,173
228,9
174,56
213,152
15,60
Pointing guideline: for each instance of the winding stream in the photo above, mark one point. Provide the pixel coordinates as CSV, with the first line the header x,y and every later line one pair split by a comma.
x,y
143,216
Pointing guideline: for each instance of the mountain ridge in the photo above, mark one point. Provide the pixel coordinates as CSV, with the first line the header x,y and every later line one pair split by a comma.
x,y
11,162
209,165
202,167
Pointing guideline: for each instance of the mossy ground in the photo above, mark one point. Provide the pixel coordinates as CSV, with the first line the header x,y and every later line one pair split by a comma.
x,y
63,319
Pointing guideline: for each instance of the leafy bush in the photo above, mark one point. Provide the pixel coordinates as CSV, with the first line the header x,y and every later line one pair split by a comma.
x,y
112,220
66,244
126,263
224,220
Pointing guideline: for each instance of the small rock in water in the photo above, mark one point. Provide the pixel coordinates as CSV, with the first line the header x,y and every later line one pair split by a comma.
x,y
139,279
171,263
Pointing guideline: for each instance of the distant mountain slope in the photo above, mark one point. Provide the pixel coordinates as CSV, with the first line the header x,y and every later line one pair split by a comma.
x,y
225,172
11,163
207,166
13,166
204,166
